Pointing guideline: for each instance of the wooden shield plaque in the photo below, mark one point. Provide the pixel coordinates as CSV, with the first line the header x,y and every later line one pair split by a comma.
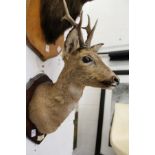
x,y
35,36
32,132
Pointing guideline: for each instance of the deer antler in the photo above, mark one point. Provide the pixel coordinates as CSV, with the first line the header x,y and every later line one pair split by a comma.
x,y
68,16
88,28
81,41
73,23
90,32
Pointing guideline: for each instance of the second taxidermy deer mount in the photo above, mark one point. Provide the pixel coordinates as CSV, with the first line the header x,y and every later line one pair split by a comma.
x,y
51,104
51,11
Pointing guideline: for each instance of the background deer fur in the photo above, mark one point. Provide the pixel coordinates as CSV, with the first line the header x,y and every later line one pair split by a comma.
x,y
51,13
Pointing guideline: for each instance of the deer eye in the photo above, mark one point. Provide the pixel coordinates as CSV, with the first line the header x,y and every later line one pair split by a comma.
x,y
86,59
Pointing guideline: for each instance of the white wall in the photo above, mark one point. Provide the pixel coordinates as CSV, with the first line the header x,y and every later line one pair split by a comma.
x,y
87,122
113,22
61,141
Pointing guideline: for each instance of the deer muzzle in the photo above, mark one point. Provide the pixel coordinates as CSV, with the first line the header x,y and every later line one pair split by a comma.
x,y
113,81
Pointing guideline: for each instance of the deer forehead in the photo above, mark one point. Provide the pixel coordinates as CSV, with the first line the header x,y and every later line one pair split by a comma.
x,y
79,54
87,52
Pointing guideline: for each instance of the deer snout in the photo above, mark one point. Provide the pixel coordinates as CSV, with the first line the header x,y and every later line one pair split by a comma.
x,y
115,79
112,80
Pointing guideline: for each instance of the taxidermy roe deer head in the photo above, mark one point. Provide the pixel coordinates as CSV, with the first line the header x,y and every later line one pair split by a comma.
x,y
51,104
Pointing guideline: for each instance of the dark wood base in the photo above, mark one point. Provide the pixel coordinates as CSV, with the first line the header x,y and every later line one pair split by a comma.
x,y
32,132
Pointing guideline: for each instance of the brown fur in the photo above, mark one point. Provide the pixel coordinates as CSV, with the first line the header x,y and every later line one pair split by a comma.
x,y
51,104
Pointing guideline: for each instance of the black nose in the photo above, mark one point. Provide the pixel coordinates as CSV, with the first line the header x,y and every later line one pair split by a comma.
x,y
115,79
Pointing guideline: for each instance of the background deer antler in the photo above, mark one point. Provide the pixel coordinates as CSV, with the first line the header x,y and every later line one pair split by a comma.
x,y
73,23
68,16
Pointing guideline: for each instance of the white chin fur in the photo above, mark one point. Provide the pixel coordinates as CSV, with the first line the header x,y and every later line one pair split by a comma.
x,y
111,87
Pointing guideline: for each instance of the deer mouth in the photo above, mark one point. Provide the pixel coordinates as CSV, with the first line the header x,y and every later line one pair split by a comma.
x,y
108,84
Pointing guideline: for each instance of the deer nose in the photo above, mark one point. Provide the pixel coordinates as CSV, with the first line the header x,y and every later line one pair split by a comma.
x,y
115,79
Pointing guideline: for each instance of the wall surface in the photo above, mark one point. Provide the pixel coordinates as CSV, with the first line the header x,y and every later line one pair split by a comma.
x,y
87,122
113,22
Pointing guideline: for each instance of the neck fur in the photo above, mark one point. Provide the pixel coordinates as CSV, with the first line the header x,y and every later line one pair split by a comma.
x,y
70,86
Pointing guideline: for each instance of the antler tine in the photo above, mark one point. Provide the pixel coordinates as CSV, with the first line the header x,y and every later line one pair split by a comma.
x,y
71,20
67,16
88,28
90,34
81,41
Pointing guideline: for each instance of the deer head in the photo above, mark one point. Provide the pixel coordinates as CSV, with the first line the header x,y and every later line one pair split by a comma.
x,y
82,59
51,104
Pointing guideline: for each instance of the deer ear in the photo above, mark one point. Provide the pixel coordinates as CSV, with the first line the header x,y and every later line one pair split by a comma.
x,y
72,42
96,47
